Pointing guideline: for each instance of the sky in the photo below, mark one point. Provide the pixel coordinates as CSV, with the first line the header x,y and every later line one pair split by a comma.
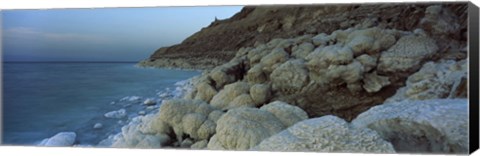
x,y
102,34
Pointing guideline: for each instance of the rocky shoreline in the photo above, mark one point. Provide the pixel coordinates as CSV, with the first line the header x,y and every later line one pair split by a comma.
x,y
366,88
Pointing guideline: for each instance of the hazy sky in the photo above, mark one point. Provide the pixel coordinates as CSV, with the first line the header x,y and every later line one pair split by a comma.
x,y
115,34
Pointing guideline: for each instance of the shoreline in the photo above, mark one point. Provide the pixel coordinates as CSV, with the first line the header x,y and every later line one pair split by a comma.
x,y
137,104
368,88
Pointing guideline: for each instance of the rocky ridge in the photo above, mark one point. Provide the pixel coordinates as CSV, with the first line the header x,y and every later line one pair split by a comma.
x,y
219,42
338,91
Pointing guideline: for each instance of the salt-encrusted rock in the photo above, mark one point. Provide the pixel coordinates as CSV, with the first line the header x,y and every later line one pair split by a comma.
x,y
149,102
302,50
333,54
260,93
243,100
60,139
221,77
254,56
131,98
276,57
152,124
307,38
227,73
132,137
116,114
164,95
326,134
321,39
290,77
243,128
215,115
199,144
367,61
256,74
142,132
353,73
371,40
341,35
188,117
186,143
243,51
445,79
432,126
152,141
205,92
97,126
279,43
439,20
373,82
407,54
228,94
286,113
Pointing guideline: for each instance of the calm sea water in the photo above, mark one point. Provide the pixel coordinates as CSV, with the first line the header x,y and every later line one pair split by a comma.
x,y
42,99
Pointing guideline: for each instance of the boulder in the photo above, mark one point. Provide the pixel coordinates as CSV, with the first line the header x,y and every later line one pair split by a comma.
x,y
228,94
332,54
326,134
370,40
444,79
142,132
131,98
439,21
273,59
116,114
243,128
256,74
188,117
321,39
243,100
199,144
60,139
367,61
149,102
254,56
186,143
220,77
286,113
260,93
97,126
205,92
407,54
302,50
373,83
429,126
290,77
228,72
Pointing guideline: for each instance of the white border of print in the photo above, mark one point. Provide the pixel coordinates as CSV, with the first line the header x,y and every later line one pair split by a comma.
x,y
54,151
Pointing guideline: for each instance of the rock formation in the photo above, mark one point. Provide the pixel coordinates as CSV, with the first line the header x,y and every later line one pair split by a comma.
x,y
328,63
326,134
244,127
219,42
430,126
60,139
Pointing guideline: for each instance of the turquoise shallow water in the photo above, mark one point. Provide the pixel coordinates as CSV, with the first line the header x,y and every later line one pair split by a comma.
x,y
42,99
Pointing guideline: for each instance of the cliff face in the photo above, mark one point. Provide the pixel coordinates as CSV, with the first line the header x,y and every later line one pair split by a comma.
x,y
253,25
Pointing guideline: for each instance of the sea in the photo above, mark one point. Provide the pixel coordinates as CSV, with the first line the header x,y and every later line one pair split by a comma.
x,y
40,100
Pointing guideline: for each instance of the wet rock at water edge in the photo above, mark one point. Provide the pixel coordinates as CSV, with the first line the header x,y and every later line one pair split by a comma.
x,y
98,126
